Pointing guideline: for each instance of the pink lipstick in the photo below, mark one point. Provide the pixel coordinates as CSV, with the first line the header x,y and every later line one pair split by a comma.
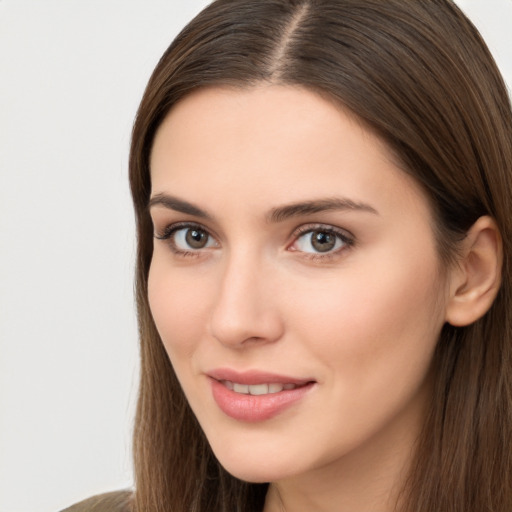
x,y
256,396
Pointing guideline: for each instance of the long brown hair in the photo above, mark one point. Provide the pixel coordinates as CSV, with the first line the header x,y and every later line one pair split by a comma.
x,y
418,73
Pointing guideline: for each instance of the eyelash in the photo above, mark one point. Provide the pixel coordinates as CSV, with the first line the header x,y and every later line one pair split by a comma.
x,y
346,239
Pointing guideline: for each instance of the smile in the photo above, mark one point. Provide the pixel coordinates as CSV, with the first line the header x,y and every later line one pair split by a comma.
x,y
256,396
257,389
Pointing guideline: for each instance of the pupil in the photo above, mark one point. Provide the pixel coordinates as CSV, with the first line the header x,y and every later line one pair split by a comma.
x,y
196,238
323,241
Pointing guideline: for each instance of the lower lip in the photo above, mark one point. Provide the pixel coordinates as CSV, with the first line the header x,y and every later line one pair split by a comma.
x,y
254,408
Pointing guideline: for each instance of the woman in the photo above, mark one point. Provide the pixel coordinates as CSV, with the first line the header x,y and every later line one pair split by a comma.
x,y
322,194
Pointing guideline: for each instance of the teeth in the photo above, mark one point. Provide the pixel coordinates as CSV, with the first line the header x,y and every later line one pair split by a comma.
x,y
240,388
275,388
257,389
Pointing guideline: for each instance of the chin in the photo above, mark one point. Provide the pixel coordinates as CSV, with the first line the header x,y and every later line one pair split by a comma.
x,y
252,474
260,467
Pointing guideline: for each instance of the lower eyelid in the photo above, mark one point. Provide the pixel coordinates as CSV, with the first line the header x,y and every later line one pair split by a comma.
x,y
322,258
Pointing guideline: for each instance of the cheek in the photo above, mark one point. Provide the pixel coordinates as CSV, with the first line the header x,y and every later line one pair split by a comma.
x,y
179,308
373,339
376,322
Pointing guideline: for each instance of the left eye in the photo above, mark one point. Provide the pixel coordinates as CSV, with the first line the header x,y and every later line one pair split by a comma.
x,y
319,241
192,238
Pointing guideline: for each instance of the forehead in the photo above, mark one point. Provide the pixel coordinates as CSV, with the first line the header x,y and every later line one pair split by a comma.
x,y
260,117
277,143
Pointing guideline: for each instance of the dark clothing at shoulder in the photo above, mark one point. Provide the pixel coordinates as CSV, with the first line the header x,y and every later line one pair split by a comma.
x,y
118,501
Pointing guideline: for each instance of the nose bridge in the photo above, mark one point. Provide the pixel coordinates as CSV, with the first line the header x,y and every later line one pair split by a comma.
x,y
244,309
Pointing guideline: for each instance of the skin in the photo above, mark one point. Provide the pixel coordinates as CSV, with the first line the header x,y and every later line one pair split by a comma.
x,y
362,320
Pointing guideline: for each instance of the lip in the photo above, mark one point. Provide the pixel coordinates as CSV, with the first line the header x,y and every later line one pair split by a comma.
x,y
254,377
256,408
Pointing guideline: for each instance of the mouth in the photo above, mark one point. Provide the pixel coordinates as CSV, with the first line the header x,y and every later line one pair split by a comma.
x,y
256,396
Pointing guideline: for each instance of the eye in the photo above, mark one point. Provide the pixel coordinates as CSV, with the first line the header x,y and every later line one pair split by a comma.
x,y
192,238
320,240
187,238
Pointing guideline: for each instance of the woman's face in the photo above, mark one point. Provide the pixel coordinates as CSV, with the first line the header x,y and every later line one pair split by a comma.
x,y
295,282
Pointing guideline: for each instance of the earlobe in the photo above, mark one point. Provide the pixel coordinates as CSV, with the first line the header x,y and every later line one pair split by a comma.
x,y
476,280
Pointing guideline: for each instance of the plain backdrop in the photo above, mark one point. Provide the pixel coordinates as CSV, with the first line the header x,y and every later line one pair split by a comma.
x,y
71,75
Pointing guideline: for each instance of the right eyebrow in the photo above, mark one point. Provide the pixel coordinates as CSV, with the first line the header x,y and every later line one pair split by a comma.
x,y
178,205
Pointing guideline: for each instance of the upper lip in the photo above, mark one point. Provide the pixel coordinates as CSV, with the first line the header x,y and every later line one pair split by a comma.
x,y
253,377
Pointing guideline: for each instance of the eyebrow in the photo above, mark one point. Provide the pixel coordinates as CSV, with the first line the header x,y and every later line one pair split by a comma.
x,y
282,213
173,203
278,214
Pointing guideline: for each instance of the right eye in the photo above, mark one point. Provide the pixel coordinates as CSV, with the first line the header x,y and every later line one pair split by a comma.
x,y
192,238
186,239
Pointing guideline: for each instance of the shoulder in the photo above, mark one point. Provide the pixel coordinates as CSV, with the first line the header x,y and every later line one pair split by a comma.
x,y
118,501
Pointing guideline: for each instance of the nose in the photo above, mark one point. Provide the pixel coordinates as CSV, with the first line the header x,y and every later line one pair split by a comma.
x,y
245,310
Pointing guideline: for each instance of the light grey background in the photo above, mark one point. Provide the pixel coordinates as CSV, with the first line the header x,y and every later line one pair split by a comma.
x,y
71,75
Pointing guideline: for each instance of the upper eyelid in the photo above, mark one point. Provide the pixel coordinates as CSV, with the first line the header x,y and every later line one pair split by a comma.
x,y
171,227
318,226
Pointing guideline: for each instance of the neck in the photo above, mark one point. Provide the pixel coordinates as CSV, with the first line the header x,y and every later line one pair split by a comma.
x,y
364,490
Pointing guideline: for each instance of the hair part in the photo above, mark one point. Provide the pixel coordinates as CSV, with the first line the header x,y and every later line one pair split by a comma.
x,y
419,75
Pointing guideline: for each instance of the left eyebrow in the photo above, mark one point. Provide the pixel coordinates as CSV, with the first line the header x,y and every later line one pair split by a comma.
x,y
282,213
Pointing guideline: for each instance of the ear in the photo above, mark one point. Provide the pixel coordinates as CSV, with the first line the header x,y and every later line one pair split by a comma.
x,y
475,281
